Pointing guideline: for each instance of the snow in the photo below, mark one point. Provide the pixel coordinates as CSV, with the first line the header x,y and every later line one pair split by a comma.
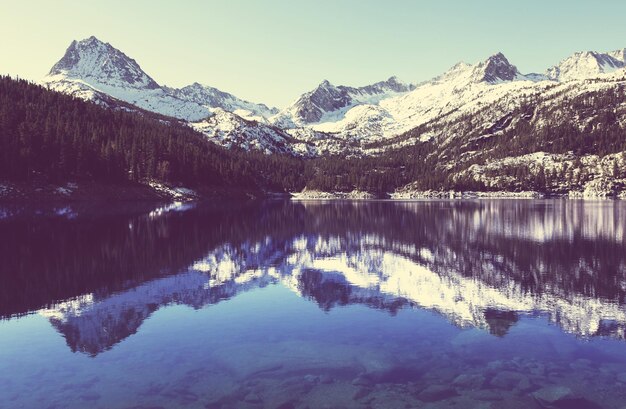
x,y
172,191
347,119
587,64
229,130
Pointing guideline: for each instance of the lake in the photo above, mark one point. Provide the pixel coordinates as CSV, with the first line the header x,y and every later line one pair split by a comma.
x,y
278,304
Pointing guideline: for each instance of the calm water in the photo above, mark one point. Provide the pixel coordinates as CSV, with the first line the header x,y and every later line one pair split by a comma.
x,y
434,304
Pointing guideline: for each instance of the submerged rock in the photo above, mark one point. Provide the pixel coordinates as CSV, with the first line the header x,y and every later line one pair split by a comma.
x,y
363,380
511,380
361,393
435,393
469,381
486,395
562,397
252,398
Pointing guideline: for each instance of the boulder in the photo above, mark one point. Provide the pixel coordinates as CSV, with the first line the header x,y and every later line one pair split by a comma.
x,y
561,397
510,380
435,393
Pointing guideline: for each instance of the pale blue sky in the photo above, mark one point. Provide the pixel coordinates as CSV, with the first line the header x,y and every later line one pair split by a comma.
x,y
271,51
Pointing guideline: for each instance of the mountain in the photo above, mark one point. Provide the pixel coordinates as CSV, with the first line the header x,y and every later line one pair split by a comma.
x,y
94,70
213,98
587,64
93,60
458,90
481,126
97,71
51,137
232,131
328,100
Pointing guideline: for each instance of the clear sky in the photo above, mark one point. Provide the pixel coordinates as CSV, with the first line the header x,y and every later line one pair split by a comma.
x,y
273,50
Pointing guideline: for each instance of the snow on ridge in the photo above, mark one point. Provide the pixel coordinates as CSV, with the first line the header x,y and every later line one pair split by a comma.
x,y
326,118
587,64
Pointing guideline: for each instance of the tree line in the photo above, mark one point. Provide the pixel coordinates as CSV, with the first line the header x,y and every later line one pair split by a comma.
x,y
45,134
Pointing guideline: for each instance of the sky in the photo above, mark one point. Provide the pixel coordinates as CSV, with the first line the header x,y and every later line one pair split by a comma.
x,y
272,51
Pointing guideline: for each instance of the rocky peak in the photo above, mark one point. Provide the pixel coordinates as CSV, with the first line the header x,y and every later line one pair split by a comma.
x,y
92,60
393,84
496,69
619,55
587,64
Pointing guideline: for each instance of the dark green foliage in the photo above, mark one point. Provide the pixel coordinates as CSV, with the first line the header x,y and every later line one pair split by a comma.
x,y
51,135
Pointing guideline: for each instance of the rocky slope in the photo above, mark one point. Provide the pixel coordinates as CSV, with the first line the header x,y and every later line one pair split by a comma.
x,y
97,71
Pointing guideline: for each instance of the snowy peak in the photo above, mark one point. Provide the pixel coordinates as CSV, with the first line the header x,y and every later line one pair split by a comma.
x,y
324,98
327,98
619,55
92,60
496,69
212,98
393,84
587,64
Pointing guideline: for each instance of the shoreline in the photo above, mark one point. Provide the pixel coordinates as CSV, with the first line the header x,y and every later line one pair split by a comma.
x,y
46,192
38,192
447,195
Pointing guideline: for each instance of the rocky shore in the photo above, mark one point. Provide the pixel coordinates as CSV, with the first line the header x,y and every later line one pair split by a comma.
x,y
321,195
438,194
45,191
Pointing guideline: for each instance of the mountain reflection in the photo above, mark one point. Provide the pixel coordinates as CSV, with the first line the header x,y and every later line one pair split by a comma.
x,y
97,275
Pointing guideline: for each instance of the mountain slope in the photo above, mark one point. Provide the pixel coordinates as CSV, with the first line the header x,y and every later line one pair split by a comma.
x,y
213,98
96,71
91,67
457,90
587,64
46,135
328,100
93,70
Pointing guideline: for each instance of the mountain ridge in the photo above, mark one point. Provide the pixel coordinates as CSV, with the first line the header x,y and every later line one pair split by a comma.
x,y
465,125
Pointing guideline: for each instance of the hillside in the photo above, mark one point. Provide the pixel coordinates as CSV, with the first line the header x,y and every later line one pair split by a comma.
x,y
52,137
483,127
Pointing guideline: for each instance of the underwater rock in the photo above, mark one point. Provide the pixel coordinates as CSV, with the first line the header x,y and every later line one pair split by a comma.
x,y
363,380
511,380
486,394
581,364
557,397
435,393
361,393
622,377
469,381
252,398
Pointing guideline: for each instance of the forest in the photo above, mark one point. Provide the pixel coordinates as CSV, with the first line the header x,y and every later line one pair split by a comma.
x,y
45,135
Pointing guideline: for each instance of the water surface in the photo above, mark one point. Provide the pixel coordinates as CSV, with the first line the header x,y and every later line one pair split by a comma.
x,y
434,304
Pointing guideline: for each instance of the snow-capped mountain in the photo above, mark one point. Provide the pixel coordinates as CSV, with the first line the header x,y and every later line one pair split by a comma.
x,y
587,64
97,71
94,70
328,101
336,119
230,130
93,60
214,98
459,90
